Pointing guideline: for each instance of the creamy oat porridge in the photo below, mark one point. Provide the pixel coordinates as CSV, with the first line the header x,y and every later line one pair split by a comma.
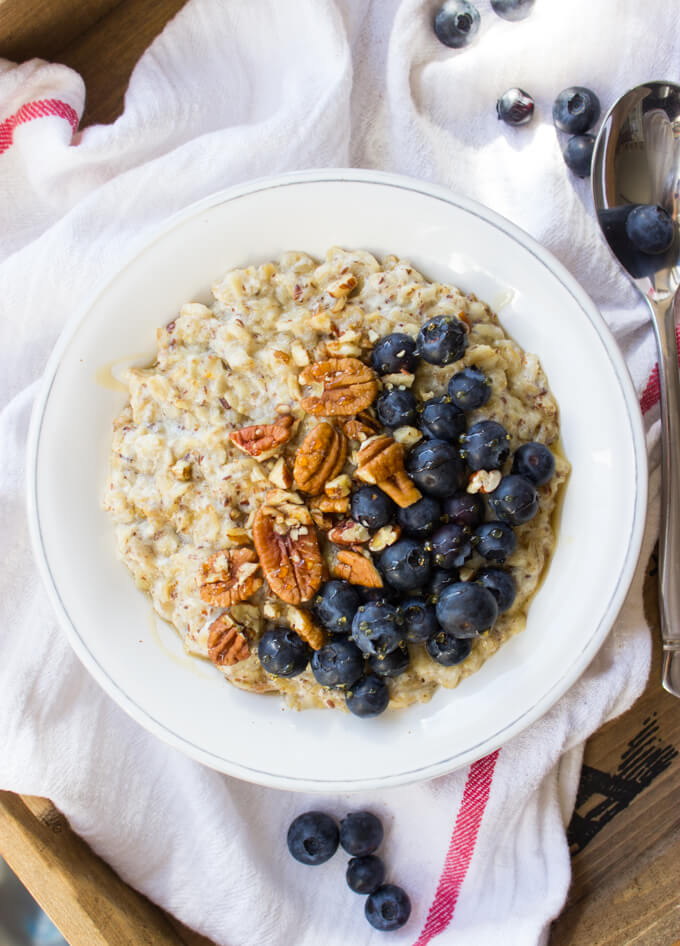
x,y
298,464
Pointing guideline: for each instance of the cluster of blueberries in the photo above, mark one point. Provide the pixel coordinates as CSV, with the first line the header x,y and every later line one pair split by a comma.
x,y
423,601
575,110
456,22
632,229
313,838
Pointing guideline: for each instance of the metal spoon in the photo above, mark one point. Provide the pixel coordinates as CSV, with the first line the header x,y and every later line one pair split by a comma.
x,y
636,160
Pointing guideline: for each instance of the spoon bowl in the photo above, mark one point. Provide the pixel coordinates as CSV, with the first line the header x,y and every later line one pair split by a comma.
x,y
636,161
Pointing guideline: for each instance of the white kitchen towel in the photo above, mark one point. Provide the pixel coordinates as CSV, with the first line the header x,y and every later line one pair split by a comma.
x,y
230,91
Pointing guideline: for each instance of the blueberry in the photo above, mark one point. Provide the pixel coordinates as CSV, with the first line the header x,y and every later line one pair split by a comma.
x,y
392,664
421,518
500,583
575,110
339,663
486,446
495,541
336,604
283,653
405,565
451,546
515,107
376,628
466,609
361,832
420,620
396,408
578,154
512,9
467,509
440,419
439,579
447,649
395,353
514,500
535,462
369,696
436,468
456,23
442,340
469,388
313,838
613,222
650,228
388,908
365,874
371,507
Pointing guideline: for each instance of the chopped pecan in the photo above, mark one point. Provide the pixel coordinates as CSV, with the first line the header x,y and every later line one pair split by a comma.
x,y
280,474
342,286
230,576
407,436
226,644
285,539
349,532
280,497
262,441
357,569
484,481
381,462
384,537
348,386
331,504
402,379
303,625
319,458
361,427
339,487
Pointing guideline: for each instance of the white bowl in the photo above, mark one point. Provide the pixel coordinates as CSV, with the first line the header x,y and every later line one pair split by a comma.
x,y
139,660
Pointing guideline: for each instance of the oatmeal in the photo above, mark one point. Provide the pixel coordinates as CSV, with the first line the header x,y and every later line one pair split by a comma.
x,y
240,465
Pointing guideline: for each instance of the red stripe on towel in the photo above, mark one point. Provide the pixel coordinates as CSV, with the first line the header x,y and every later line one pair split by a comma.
x,y
651,393
461,848
31,110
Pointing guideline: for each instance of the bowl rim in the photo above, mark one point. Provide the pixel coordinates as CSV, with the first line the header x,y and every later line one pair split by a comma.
x,y
581,660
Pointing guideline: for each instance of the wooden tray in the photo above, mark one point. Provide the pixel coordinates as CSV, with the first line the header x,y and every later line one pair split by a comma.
x,y
625,832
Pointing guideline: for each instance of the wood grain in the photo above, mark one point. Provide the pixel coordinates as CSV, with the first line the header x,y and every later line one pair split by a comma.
x,y
625,887
30,29
107,52
87,901
101,39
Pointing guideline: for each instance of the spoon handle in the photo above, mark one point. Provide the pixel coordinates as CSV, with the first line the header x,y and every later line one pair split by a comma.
x,y
669,539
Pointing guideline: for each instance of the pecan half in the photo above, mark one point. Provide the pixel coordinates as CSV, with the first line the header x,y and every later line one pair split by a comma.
x,y
262,441
357,569
226,644
348,386
319,458
285,539
230,576
303,625
380,462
